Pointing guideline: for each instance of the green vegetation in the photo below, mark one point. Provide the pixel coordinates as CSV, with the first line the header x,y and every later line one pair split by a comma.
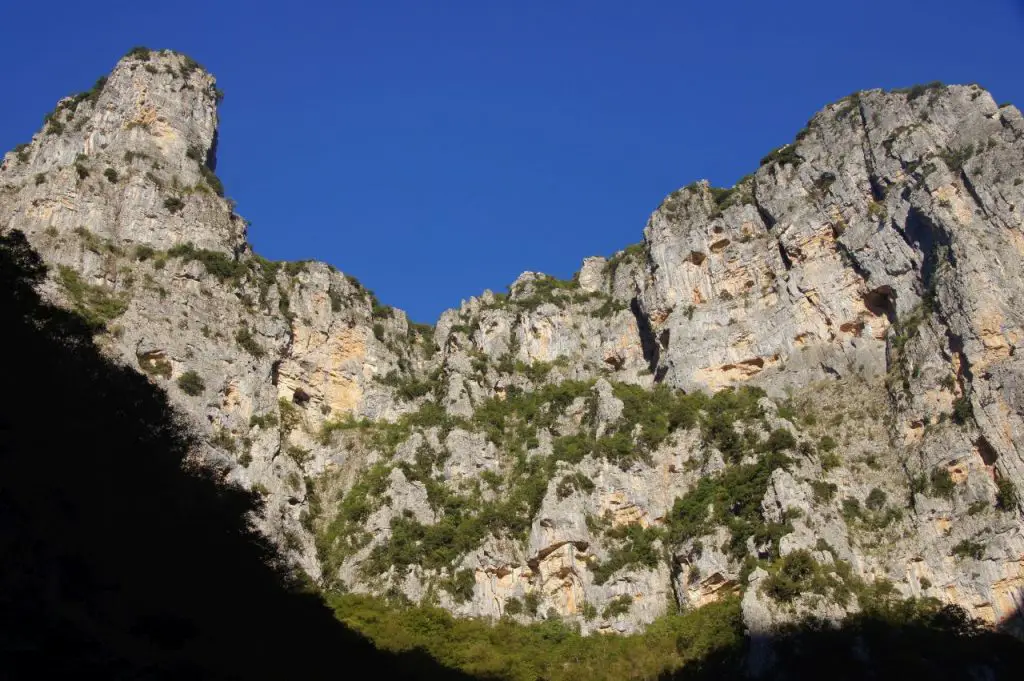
x,y
68,106
247,342
969,549
212,181
297,454
956,158
266,421
21,151
962,409
513,606
1006,495
619,605
574,482
734,498
875,500
141,53
409,388
345,533
793,576
739,194
155,365
798,573
635,546
173,204
219,264
191,383
460,585
96,305
919,90
223,439
513,424
111,175
631,253
824,492
877,210
942,484
782,156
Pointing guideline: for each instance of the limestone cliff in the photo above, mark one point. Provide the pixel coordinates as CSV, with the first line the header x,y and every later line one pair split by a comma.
x,y
803,388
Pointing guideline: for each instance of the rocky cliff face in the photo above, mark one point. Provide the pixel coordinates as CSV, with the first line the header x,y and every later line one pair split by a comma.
x,y
803,389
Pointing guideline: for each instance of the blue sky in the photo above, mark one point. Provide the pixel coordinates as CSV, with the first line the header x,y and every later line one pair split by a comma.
x,y
435,149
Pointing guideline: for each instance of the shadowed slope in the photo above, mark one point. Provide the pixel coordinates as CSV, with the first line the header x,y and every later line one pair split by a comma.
x,y
118,562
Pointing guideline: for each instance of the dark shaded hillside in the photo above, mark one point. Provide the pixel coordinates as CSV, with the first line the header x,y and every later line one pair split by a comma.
x,y
116,562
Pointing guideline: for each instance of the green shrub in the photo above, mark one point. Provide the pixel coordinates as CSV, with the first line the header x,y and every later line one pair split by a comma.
x,y
827,443
875,500
778,440
141,53
851,509
784,155
920,90
513,606
247,342
191,383
792,578
956,158
969,549
111,175
619,605
155,365
977,507
1006,495
829,461
962,409
634,546
144,252
223,439
531,602
574,482
212,181
40,178
461,586
266,421
173,204
408,388
221,265
734,498
942,484
297,454
95,304
824,492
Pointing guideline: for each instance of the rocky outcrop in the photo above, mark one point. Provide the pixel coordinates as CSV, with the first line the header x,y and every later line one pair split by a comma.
x,y
555,451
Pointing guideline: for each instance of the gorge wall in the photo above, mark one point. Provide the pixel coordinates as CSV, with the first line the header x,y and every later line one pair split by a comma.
x,y
803,389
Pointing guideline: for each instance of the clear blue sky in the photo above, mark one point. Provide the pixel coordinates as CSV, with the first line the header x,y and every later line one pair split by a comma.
x,y
435,149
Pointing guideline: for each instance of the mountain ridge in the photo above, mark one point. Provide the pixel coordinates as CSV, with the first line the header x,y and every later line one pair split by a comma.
x,y
522,451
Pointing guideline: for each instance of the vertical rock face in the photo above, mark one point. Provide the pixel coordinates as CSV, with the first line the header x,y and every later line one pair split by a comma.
x,y
804,388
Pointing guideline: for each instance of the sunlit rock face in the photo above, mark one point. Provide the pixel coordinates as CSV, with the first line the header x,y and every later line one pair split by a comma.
x,y
533,454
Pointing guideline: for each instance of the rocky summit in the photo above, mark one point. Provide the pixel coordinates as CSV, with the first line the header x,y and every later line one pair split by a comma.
x,y
802,391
